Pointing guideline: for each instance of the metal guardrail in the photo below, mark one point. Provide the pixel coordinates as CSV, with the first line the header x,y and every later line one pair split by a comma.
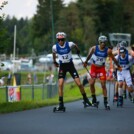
x,y
32,92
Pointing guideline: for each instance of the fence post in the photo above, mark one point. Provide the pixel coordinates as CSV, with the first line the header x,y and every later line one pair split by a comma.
x,y
32,92
49,91
20,93
43,91
6,93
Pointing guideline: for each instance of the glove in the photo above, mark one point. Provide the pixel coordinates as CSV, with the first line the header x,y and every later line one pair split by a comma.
x,y
56,64
85,64
78,52
114,74
119,68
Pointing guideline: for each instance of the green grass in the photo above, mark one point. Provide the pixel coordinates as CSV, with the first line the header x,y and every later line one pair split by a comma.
x,y
71,93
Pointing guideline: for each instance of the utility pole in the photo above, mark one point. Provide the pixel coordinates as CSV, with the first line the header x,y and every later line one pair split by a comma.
x,y
52,18
14,48
14,42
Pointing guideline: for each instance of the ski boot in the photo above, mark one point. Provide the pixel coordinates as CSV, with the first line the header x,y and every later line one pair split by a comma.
x,y
130,97
120,101
132,100
124,95
59,108
87,103
107,107
95,103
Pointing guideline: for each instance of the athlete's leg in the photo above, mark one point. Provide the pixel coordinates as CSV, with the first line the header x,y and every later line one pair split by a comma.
x,y
131,91
61,83
104,91
129,83
82,90
73,72
116,91
120,93
61,77
92,89
124,90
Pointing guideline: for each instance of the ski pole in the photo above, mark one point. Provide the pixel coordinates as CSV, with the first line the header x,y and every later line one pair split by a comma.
x,y
83,63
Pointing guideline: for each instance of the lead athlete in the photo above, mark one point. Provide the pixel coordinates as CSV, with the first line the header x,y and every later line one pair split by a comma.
x,y
63,49
98,55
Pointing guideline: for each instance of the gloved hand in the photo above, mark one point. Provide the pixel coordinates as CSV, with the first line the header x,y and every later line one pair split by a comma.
x,y
78,52
85,64
119,68
114,74
56,64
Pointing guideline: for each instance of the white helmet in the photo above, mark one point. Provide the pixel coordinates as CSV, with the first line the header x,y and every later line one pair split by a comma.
x,y
102,38
60,35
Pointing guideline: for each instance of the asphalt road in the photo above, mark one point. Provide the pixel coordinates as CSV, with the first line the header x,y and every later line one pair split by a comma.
x,y
76,120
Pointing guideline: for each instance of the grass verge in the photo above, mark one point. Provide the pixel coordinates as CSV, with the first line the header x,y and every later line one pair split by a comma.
x,y
71,93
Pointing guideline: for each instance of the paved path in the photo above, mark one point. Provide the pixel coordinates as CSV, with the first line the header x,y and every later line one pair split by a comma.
x,y
76,120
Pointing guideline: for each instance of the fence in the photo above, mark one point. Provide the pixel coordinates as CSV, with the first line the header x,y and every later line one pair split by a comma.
x,y
31,92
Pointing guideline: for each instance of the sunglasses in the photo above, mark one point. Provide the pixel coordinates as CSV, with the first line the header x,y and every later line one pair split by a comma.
x,y
103,42
60,40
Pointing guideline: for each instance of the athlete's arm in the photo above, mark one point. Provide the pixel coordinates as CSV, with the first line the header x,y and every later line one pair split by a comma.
x,y
115,52
113,58
131,52
91,51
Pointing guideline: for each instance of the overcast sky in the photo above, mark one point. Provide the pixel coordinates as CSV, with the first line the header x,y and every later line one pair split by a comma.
x,y
22,8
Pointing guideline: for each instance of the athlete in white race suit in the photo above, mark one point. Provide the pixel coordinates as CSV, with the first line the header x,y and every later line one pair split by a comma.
x,y
125,61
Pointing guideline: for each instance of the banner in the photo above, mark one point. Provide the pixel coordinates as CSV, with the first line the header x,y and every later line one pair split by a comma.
x,y
13,93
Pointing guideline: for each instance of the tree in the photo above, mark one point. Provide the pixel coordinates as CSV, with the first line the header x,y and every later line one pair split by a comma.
x,y
42,21
3,32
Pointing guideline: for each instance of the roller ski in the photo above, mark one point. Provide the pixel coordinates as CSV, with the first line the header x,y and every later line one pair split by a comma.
x,y
107,107
60,108
87,103
96,104
120,101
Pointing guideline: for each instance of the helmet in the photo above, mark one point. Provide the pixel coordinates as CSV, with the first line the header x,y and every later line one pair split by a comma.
x,y
122,50
123,44
60,35
102,38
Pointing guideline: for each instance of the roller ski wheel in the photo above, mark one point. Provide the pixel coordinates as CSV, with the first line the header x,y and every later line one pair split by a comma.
x,y
58,109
